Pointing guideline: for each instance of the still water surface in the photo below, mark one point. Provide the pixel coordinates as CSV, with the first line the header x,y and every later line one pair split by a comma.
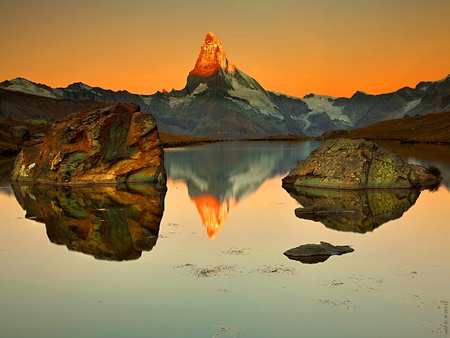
x,y
205,258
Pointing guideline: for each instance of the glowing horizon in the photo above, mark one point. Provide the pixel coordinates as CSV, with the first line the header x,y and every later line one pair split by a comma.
x,y
325,47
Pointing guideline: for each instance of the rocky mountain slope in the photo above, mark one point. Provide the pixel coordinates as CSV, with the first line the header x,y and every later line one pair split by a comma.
x,y
21,105
220,101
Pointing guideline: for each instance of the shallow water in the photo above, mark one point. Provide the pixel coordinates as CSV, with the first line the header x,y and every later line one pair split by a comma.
x,y
215,266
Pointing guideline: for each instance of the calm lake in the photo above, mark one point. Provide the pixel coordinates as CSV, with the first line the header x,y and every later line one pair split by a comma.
x,y
205,258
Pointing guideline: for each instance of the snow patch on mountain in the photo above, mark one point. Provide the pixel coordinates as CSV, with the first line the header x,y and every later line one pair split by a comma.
x,y
256,97
28,87
323,103
288,96
174,101
200,89
409,106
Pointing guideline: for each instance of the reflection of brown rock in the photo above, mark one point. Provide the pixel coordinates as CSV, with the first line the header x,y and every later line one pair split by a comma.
x,y
106,221
370,208
110,144
5,168
316,253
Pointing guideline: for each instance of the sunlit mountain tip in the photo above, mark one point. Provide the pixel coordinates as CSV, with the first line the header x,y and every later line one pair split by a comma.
x,y
212,58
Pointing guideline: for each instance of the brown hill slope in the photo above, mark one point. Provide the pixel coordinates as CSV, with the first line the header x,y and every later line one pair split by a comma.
x,y
10,145
429,128
19,105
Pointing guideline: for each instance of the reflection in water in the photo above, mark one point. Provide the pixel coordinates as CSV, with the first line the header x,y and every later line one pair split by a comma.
x,y
218,176
6,166
213,212
372,207
106,221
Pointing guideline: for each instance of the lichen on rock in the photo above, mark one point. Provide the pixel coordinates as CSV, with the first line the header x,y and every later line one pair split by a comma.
x,y
357,164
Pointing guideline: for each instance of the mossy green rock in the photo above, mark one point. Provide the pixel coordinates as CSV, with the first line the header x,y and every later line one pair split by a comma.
x,y
356,164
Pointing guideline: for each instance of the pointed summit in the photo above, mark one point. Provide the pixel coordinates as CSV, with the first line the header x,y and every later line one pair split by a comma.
x,y
212,58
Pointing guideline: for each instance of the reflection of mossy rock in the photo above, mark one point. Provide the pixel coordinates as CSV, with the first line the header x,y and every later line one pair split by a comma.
x,y
106,221
315,253
356,164
353,210
110,144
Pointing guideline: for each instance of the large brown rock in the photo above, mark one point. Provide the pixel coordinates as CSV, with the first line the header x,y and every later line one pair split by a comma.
x,y
110,144
357,164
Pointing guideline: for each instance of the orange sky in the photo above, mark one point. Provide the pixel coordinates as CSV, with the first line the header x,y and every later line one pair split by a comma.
x,y
332,47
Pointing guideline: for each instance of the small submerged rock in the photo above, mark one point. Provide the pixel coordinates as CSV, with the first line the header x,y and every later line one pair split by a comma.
x,y
316,253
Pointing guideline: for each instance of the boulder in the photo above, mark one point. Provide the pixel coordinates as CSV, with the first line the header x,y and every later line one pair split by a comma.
x,y
315,253
110,144
358,164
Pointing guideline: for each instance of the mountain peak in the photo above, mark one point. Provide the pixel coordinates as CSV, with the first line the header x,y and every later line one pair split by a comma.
x,y
212,58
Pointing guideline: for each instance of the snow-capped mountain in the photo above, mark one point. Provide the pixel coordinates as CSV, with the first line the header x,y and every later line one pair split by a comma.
x,y
221,101
75,91
22,85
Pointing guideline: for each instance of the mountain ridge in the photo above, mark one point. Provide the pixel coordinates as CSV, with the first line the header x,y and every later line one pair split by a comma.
x,y
220,101
435,98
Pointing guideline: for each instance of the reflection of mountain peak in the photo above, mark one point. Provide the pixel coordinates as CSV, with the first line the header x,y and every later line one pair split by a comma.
x,y
230,170
219,175
213,213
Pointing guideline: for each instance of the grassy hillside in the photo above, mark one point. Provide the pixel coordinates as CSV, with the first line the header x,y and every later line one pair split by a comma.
x,y
429,128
